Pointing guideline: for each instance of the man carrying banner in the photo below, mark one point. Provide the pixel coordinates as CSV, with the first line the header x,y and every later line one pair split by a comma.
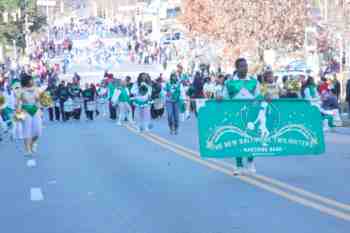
x,y
242,86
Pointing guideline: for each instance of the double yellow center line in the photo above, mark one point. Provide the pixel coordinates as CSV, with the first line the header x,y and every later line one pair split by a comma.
x,y
287,191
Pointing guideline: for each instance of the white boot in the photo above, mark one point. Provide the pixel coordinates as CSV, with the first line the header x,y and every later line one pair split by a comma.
x,y
238,171
188,115
35,147
325,126
147,128
251,167
182,117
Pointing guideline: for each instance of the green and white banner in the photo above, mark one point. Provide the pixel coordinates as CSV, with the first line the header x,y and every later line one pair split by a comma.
x,y
241,128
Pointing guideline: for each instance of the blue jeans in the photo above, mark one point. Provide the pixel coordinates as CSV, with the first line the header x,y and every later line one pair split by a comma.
x,y
172,109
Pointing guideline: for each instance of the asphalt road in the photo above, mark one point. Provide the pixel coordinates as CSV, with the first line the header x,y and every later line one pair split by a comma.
x,y
99,177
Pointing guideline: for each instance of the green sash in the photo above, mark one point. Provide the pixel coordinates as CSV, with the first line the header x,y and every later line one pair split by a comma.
x,y
235,86
141,103
87,93
111,89
124,96
31,109
174,90
184,77
182,106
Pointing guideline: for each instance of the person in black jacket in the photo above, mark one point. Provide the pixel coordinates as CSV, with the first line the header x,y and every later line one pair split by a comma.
x,y
88,96
53,110
336,87
197,90
157,108
129,85
76,93
63,95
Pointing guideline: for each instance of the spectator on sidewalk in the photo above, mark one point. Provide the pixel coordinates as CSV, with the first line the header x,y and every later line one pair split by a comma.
x,y
323,87
330,100
63,95
336,86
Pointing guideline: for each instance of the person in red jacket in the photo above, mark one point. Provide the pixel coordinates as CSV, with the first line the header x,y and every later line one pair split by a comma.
x,y
323,88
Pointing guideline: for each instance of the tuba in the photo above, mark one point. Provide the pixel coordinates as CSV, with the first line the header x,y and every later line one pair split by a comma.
x,y
45,99
294,85
19,115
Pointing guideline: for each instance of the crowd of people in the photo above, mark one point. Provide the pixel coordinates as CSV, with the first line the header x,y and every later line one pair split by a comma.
x,y
121,99
137,46
142,102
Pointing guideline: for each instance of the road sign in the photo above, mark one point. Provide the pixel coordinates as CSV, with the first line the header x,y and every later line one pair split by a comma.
x,y
46,3
241,128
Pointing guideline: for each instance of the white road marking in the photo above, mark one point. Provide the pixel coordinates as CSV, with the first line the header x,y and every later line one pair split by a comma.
x,y
36,194
214,166
31,163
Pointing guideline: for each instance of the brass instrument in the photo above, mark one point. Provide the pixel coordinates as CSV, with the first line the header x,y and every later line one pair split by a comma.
x,y
45,99
293,85
19,115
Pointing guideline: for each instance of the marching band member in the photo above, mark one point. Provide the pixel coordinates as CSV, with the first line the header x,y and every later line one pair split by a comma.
x,y
209,88
63,95
130,85
157,109
7,108
102,93
310,93
76,94
68,108
184,112
142,101
89,105
28,103
290,89
54,110
242,86
112,106
185,105
219,87
17,125
172,103
269,87
124,104
4,115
